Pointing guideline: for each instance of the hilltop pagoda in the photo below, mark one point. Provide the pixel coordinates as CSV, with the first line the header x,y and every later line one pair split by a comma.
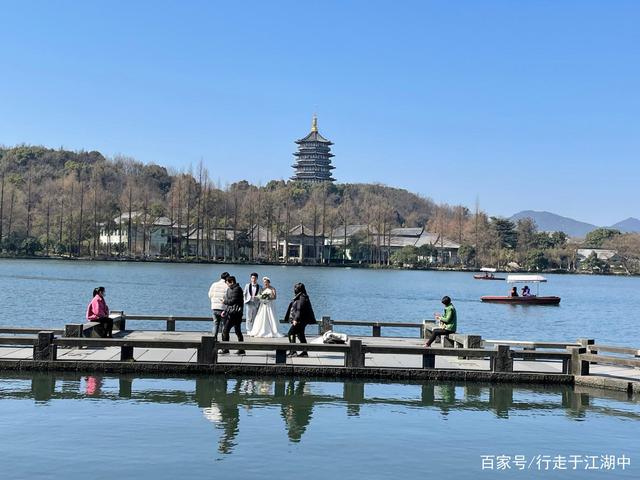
x,y
313,158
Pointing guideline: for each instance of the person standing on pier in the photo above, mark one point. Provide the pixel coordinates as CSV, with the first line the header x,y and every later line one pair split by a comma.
x,y
234,302
251,300
98,311
448,321
299,314
216,295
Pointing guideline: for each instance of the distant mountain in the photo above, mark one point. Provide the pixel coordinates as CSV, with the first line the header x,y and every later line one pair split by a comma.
x,y
630,225
550,222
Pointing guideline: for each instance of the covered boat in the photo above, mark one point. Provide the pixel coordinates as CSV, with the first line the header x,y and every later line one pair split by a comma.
x,y
489,274
527,299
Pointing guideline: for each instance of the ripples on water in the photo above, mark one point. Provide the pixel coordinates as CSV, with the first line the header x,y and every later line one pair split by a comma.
x,y
52,293
266,427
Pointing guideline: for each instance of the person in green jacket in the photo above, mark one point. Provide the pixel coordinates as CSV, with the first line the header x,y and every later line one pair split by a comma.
x,y
448,321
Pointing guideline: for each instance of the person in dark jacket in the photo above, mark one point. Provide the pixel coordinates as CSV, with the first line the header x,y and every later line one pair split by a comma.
x,y
299,314
234,304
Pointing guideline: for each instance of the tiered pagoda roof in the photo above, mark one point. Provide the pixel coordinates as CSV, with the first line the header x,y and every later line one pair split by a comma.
x,y
313,158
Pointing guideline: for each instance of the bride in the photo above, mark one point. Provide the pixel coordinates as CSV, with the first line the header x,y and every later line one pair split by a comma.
x,y
266,324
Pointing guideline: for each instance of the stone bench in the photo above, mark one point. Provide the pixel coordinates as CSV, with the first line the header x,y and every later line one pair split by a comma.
x,y
455,340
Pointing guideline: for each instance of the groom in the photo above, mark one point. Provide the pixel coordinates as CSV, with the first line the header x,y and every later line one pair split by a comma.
x,y
251,292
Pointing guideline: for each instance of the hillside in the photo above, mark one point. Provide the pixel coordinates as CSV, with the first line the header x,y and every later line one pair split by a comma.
x,y
61,198
550,222
630,225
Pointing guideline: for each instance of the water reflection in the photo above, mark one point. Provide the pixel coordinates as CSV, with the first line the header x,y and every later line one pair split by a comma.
x,y
224,400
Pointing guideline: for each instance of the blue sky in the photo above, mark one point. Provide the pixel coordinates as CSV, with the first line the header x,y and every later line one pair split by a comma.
x,y
528,105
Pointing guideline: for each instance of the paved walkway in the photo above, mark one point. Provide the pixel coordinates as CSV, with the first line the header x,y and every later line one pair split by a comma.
x,y
165,355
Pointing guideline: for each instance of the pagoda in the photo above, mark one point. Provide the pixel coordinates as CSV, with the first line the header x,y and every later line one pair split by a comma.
x,y
313,158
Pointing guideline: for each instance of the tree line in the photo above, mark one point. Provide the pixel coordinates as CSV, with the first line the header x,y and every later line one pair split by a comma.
x,y
56,202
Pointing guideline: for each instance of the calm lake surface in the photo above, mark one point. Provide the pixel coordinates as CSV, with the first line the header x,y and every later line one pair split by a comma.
x,y
52,293
102,427
78,427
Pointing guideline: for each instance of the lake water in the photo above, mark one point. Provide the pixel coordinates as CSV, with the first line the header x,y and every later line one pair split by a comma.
x,y
52,293
102,427
77,427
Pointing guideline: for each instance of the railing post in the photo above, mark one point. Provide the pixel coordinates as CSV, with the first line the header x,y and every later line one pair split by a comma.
x,y
325,324
428,360
423,330
73,330
586,342
473,341
502,362
578,366
171,324
121,323
44,348
207,353
126,353
281,356
355,355
377,330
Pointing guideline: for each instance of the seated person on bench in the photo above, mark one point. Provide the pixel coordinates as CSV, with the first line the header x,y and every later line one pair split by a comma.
x,y
98,311
448,321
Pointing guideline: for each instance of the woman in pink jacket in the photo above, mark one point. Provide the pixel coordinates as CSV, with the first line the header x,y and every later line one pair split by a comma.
x,y
98,311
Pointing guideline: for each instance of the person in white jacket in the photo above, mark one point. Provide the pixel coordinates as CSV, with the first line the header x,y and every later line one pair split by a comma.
x,y
216,295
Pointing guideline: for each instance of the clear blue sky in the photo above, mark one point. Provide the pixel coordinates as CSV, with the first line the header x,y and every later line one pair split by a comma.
x,y
530,105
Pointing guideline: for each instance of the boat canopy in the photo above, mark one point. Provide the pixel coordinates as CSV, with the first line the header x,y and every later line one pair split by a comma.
x,y
488,269
525,279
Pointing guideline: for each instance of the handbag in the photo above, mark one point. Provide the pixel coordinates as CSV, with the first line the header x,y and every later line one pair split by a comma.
x,y
234,309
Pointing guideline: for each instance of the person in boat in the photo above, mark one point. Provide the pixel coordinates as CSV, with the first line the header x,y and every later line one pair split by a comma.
x,y
448,321
525,291
514,292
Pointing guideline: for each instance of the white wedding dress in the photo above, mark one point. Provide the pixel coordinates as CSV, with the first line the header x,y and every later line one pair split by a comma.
x,y
265,324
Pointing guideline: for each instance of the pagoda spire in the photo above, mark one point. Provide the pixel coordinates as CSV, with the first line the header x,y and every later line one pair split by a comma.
x,y
313,158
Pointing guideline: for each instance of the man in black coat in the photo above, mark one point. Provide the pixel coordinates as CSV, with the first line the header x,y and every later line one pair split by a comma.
x,y
234,303
299,314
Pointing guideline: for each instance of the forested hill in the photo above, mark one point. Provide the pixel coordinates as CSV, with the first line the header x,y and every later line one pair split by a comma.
x,y
63,196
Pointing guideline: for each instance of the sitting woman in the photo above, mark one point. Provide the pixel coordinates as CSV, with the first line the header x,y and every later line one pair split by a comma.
x,y
98,311
448,321
525,291
514,292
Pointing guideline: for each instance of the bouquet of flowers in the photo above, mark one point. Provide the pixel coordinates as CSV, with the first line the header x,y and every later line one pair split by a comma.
x,y
265,295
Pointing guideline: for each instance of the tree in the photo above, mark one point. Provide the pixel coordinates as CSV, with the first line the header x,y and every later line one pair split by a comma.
x,y
406,256
30,246
536,260
594,265
506,232
467,254
597,237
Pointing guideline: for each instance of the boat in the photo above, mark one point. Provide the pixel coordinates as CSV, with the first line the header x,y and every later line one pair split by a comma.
x,y
489,274
528,300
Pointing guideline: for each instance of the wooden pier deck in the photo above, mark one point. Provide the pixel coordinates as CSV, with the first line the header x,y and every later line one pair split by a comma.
x,y
459,357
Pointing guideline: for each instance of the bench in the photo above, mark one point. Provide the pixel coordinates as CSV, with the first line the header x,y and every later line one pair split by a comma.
x,y
94,329
455,340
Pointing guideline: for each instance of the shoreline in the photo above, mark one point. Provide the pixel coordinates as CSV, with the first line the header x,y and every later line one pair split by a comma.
x,y
292,264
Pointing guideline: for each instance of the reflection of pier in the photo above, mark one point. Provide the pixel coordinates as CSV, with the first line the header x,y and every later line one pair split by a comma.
x,y
222,398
